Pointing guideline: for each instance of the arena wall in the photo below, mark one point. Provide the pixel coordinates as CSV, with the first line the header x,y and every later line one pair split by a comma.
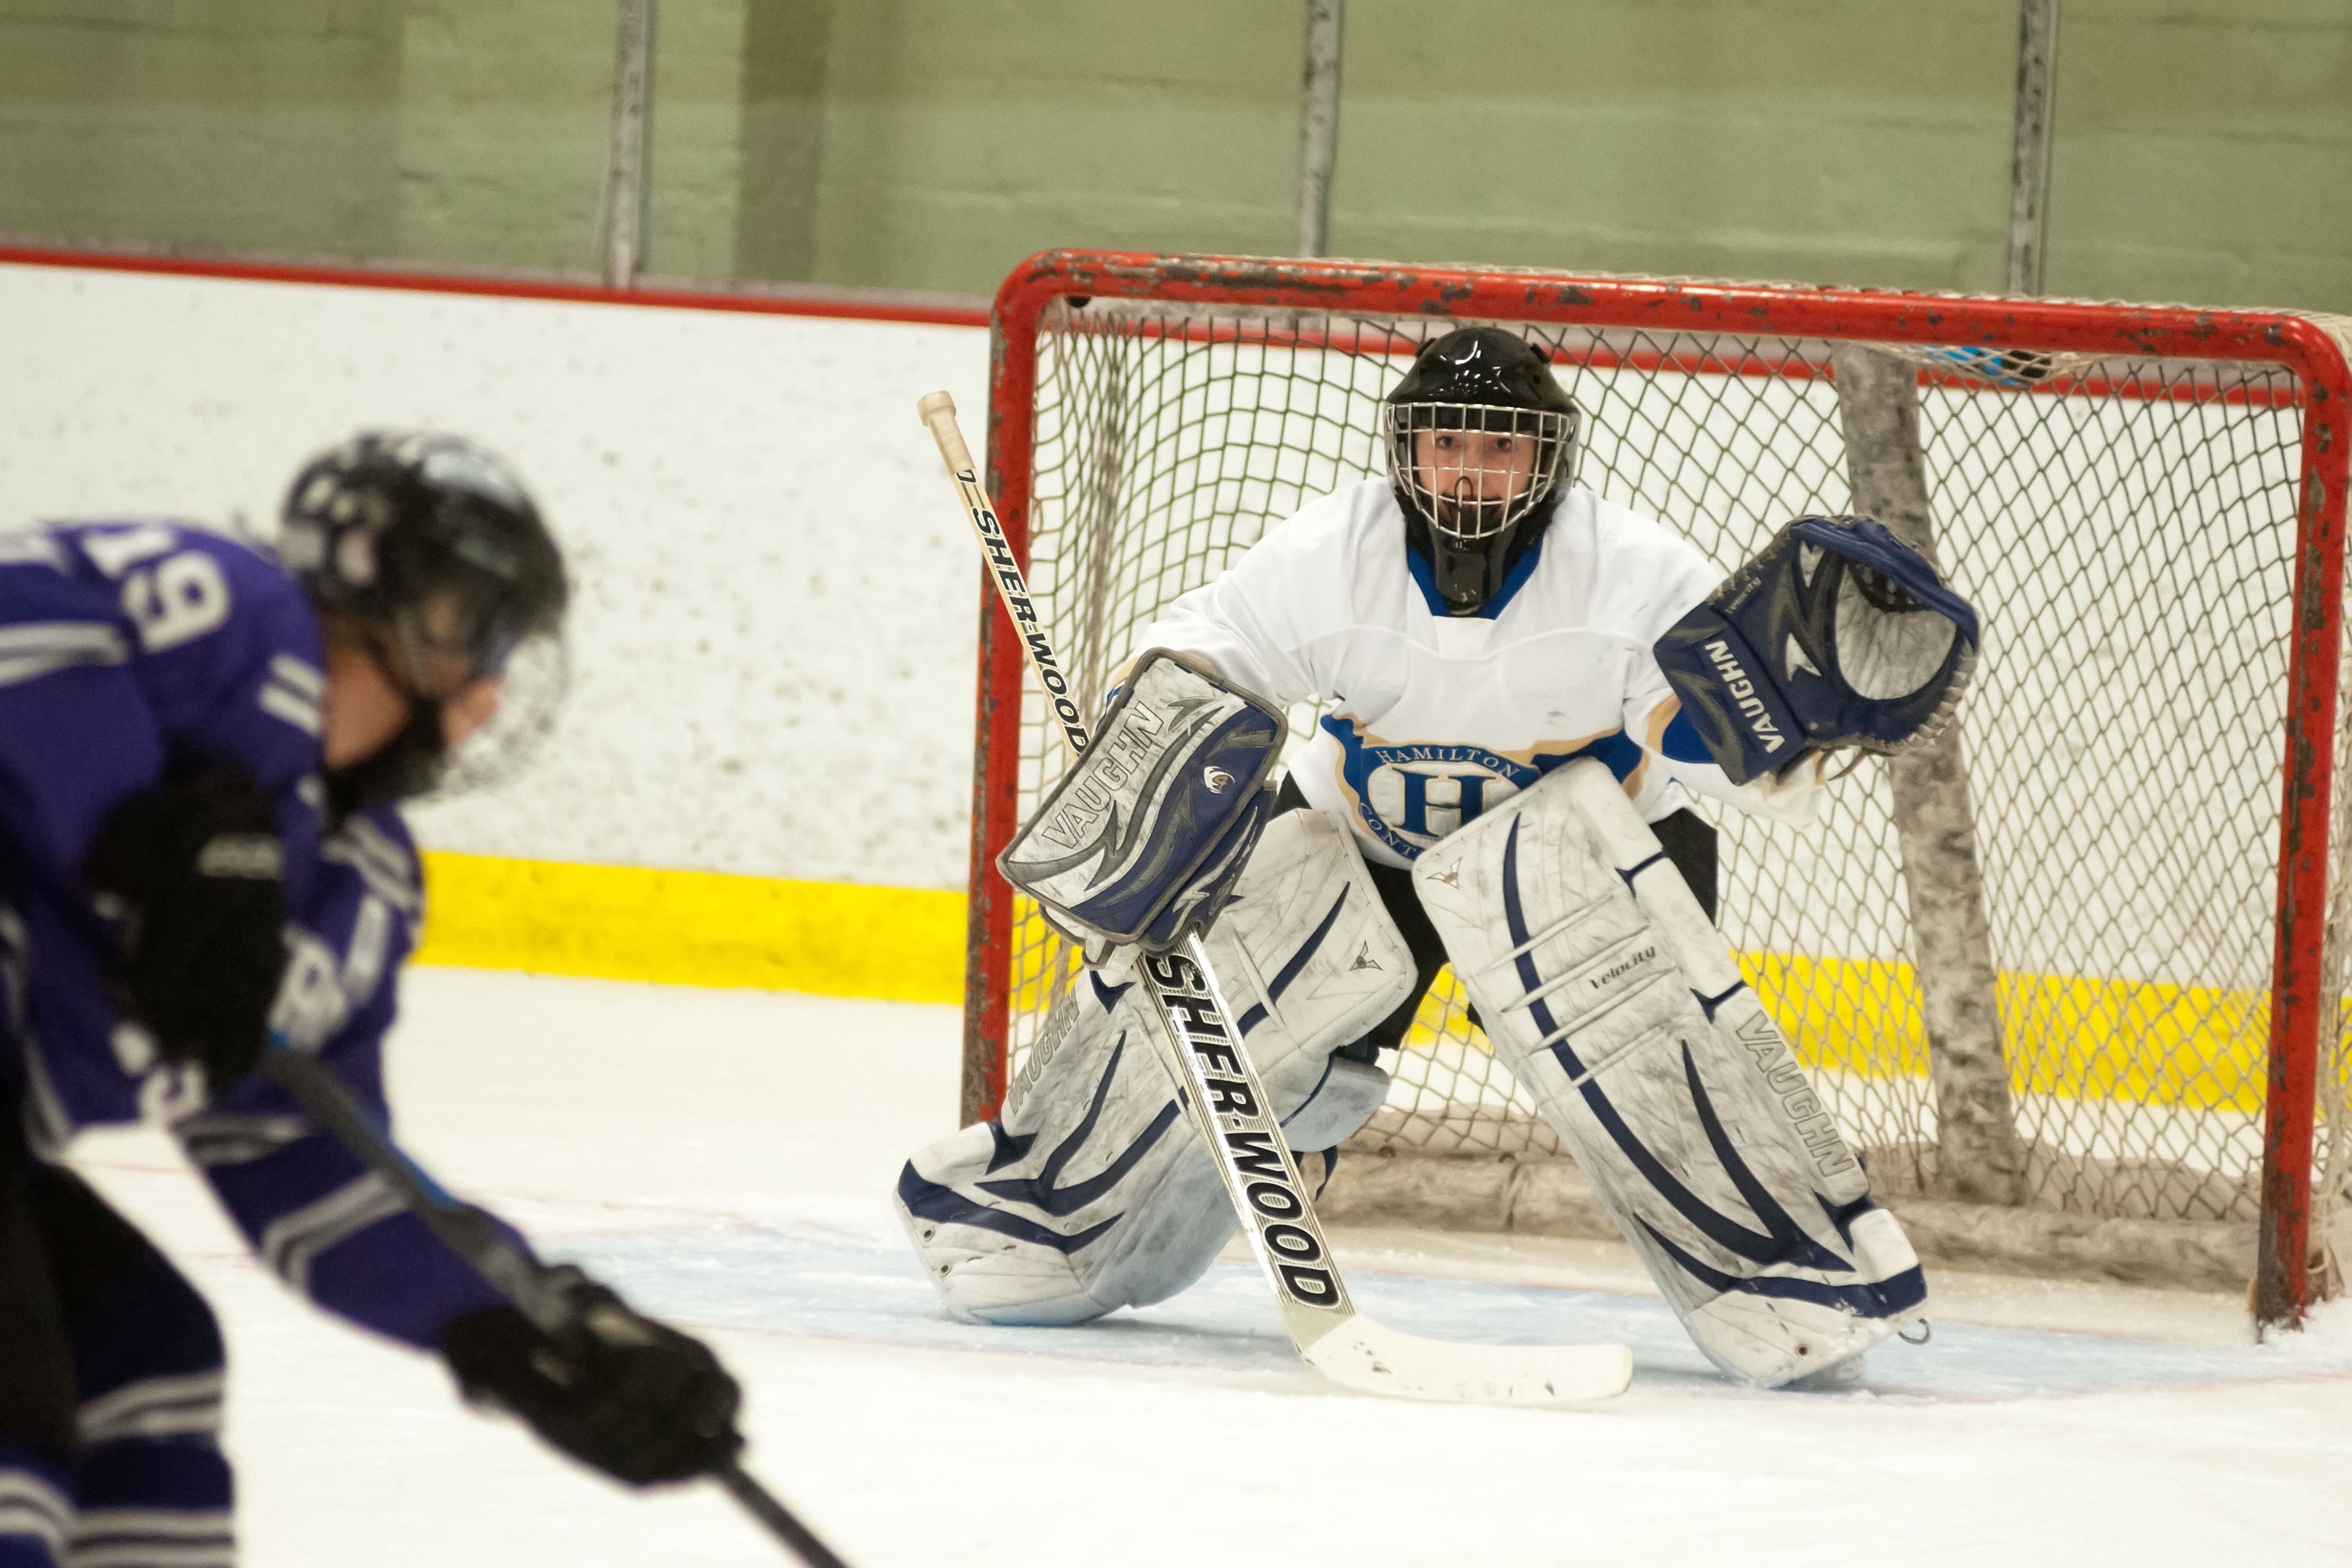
x,y
760,777
932,143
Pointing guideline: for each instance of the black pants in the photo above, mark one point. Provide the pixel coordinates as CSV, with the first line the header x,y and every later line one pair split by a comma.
x,y
37,1381
1686,837
111,1369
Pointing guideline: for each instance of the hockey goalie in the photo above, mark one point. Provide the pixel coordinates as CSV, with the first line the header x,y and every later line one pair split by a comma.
x,y
1523,684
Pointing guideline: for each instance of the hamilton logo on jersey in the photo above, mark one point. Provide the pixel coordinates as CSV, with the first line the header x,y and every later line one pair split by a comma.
x,y
1410,797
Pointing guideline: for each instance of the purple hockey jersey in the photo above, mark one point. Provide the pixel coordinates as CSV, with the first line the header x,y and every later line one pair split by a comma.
x,y
139,651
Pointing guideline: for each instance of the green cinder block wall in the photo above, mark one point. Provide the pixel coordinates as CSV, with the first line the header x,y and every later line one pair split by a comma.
x,y
2202,146
2204,153
206,123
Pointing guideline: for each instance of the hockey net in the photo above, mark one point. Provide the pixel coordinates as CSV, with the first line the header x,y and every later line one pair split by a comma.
x,y
2128,522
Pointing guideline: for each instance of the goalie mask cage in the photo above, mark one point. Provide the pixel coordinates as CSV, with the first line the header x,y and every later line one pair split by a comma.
x,y
2147,504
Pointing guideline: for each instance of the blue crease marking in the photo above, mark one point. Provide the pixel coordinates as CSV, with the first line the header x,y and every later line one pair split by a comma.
x,y
859,1281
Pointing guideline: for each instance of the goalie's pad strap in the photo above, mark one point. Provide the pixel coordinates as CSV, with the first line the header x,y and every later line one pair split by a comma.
x,y
1620,1009
1142,836
1837,635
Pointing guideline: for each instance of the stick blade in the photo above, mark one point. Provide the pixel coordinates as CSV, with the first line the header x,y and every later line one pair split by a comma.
x,y
1374,1359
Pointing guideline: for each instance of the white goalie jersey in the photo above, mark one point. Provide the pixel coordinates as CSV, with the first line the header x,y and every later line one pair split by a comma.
x,y
1436,719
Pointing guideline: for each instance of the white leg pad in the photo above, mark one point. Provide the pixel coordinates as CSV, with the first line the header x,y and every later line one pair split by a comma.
x,y
1094,1193
1621,1009
1309,961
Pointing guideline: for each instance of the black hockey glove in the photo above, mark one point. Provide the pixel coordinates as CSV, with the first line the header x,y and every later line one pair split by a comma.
x,y
633,1398
194,872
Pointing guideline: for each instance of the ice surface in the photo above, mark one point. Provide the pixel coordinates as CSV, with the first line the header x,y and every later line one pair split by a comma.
x,y
720,1156
858,1282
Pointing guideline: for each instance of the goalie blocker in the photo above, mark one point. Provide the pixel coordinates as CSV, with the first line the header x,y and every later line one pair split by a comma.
x,y
1620,1009
1141,841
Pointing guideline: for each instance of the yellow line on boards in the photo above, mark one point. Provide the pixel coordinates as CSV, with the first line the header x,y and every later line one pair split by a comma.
x,y
692,928
2196,1047
2199,1047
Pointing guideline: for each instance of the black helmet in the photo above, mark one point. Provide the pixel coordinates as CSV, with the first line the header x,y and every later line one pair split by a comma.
x,y
1484,381
429,551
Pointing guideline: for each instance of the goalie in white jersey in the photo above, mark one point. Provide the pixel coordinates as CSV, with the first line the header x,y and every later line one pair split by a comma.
x,y
1475,624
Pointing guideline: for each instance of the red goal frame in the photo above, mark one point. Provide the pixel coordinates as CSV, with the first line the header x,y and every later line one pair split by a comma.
x,y
2292,341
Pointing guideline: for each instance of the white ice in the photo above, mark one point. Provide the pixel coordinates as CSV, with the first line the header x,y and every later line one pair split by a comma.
x,y
720,1157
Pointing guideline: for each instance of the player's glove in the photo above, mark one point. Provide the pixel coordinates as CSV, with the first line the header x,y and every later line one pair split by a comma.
x,y
616,1390
194,872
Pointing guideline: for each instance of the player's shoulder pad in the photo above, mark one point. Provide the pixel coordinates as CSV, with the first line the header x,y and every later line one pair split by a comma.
x,y
1306,567
115,547
1337,521
1636,543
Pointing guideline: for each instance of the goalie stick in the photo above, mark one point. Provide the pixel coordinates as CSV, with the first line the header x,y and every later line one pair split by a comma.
x,y
1229,1106
474,1237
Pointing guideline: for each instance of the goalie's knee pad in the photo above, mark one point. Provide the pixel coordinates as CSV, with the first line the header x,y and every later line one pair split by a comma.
x,y
1310,961
1094,1192
1620,1009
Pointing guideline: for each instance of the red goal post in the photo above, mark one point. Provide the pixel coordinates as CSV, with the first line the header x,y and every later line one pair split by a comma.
x,y
2171,1022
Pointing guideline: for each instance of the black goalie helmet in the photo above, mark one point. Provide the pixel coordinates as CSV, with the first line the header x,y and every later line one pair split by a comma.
x,y
428,551
1481,441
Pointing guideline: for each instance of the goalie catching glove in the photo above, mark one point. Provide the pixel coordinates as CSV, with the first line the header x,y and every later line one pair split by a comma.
x,y
1142,839
1838,636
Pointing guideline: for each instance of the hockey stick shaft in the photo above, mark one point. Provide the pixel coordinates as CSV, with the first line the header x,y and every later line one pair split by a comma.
x,y
763,1505
1196,1035
465,1229
938,411
474,1237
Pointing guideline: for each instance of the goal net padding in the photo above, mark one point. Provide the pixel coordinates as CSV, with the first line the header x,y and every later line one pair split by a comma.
x,y
2126,1054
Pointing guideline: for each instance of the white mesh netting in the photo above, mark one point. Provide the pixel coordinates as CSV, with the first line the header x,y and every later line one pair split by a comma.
x,y
2126,529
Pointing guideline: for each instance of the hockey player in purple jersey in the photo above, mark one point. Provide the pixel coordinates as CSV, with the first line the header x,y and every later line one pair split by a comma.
x,y
202,750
